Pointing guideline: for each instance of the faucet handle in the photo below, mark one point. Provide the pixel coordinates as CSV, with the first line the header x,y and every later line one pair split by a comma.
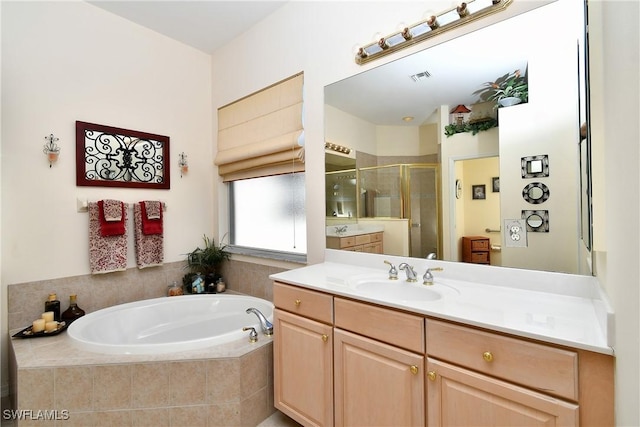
x,y
427,279
253,335
393,272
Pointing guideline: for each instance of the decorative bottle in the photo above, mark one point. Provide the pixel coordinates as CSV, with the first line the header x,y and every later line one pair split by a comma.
x,y
73,312
52,304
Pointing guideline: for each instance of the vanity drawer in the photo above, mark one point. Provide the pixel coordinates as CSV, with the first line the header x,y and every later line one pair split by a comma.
x,y
376,237
393,327
304,302
363,239
547,369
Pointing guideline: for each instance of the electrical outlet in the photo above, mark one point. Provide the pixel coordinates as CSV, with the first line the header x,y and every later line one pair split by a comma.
x,y
515,235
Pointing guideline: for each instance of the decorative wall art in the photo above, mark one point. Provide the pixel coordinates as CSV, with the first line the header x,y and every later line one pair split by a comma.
x,y
478,192
535,166
537,220
107,156
536,193
495,184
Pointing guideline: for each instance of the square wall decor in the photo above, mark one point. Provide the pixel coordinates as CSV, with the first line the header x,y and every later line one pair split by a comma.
x,y
535,166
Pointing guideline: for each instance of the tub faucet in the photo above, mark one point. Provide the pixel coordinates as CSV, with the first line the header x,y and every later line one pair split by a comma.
x,y
411,274
267,327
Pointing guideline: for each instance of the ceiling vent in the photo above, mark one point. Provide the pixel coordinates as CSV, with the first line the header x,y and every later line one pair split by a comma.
x,y
420,76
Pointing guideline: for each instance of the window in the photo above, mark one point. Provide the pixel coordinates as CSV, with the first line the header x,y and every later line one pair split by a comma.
x,y
261,159
268,216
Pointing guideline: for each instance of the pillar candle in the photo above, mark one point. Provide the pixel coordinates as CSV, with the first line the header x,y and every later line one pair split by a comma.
x,y
38,326
47,316
51,326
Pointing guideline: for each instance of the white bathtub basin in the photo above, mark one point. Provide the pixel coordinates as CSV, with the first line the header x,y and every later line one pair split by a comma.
x,y
168,324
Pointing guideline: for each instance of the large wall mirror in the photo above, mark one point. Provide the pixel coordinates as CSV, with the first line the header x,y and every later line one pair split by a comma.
x,y
406,178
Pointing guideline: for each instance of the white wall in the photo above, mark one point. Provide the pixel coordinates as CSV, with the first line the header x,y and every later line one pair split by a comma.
x,y
318,37
68,61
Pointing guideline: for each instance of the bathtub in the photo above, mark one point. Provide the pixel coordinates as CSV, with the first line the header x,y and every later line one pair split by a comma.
x,y
168,324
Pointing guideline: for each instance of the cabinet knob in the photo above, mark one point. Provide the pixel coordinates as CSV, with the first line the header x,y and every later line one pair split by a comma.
x,y
487,356
297,302
325,337
413,369
431,375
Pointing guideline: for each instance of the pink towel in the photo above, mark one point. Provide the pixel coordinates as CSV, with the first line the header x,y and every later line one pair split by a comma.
x,y
149,247
106,253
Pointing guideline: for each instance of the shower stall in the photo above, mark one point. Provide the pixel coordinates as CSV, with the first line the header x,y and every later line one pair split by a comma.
x,y
405,191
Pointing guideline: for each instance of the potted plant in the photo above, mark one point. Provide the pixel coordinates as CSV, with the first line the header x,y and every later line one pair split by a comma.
x,y
509,89
206,261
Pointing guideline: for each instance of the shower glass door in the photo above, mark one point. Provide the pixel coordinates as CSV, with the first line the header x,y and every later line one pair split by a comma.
x,y
423,210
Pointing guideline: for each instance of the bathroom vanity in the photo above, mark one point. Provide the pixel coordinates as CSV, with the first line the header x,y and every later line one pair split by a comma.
x,y
352,347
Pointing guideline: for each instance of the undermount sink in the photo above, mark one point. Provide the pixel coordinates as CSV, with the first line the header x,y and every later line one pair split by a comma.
x,y
397,290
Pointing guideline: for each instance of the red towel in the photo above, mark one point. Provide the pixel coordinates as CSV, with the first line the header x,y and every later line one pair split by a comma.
x,y
110,228
151,226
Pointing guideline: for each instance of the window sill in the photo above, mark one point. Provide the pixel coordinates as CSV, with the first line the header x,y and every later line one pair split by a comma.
x,y
268,254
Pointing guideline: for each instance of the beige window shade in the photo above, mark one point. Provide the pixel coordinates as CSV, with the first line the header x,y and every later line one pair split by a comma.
x,y
258,135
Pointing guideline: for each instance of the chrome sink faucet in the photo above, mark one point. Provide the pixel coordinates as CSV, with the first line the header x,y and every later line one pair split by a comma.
x,y
393,272
411,274
267,327
427,279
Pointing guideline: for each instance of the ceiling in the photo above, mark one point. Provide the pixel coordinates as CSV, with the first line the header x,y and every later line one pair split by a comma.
x,y
382,95
203,24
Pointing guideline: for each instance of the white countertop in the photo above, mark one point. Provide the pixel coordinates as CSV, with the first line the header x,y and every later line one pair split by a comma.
x,y
557,308
352,230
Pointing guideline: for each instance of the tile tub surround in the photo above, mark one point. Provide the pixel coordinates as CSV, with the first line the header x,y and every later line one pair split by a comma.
x,y
226,385
26,300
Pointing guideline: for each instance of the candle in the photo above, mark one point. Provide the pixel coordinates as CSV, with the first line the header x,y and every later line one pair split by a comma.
x,y
47,316
50,326
38,326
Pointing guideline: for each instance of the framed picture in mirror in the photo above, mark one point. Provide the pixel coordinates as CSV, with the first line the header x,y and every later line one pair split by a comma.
x,y
478,192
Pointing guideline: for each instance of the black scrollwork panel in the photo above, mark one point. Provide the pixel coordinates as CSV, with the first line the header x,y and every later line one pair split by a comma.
x,y
107,156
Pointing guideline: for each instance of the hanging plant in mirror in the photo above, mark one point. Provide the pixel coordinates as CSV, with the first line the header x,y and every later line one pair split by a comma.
x,y
107,156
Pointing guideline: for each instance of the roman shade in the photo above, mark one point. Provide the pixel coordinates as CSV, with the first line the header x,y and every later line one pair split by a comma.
x,y
259,135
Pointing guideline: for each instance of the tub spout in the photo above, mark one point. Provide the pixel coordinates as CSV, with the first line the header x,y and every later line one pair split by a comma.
x,y
267,327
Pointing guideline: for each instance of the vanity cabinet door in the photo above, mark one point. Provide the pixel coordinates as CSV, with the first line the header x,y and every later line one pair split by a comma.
x,y
303,367
460,397
376,384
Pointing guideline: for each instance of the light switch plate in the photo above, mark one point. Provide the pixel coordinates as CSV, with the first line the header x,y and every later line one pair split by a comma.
x,y
515,233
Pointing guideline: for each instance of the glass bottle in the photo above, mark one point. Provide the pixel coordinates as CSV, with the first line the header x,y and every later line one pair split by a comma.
x,y
174,289
52,304
73,312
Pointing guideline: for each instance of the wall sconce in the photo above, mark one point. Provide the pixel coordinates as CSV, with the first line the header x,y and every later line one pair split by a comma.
x,y
182,163
435,24
51,149
460,111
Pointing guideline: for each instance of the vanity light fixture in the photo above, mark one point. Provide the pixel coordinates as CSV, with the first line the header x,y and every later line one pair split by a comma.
x,y
182,163
51,149
337,148
431,26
